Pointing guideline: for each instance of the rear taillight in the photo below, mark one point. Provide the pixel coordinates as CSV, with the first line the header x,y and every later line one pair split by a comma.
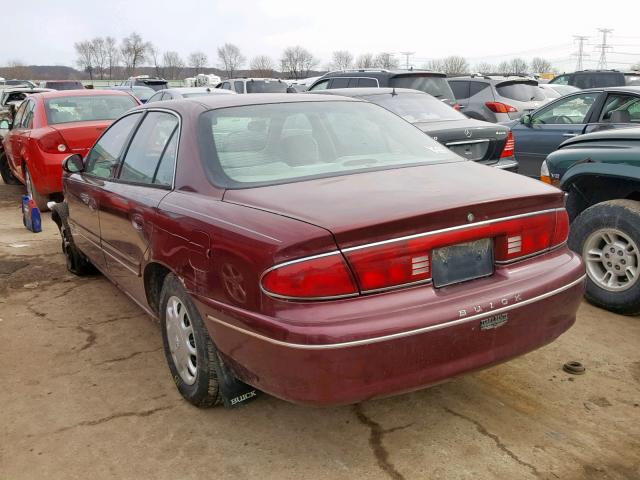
x,y
407,261
52,142
509,146
456,106
326,276
499,107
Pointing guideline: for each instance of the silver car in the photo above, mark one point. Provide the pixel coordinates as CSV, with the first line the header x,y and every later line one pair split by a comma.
x,y
497,99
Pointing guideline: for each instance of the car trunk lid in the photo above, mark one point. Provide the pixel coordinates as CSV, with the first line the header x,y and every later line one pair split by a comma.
x,y
381,205
80,136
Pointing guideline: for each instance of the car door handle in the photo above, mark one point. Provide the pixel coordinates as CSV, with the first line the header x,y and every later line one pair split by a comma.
x,y
570,134
137,221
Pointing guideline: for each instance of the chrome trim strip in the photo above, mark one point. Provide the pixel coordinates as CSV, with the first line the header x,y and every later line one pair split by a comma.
x,y
395,287
529,255
394,336
452,229
467,142
506,165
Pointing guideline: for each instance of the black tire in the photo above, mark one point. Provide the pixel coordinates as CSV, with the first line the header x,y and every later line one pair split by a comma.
x,y
5,172
77,263
205,390
40,199
615,216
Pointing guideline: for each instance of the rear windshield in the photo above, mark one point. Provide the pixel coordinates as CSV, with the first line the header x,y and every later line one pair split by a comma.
x,y
416,107
266,86
285,142
436,86
155,84
65,85
195,94
520,91
564,89
87,108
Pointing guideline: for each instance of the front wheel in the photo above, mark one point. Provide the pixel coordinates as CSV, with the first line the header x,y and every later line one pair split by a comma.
x,y
41,200
191,355
607,235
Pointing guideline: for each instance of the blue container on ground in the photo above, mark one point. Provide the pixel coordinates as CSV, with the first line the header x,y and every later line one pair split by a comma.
x,y
31,214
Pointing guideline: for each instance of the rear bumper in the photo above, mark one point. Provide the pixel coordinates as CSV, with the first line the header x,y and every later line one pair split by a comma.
x,y
510,164
401,341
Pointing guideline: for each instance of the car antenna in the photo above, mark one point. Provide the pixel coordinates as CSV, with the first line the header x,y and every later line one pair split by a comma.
x,y
208,90
393,92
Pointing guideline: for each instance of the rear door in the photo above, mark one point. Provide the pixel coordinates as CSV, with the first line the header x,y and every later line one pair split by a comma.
x,y
84,193
461,90
128,211
549,127
619,110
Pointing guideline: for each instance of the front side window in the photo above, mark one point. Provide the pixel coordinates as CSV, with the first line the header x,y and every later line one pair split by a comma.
x,y
17,119
285,142
367,82
320,85
340,83
105,154
151,147
27,119
86,108
570,110
561,80
226,86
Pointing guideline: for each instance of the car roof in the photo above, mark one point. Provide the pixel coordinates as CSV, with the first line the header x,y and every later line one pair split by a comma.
x,y
28,89
493,78
182,90
367,91
380,71
79,93
622,88
212,102
249,79
631,133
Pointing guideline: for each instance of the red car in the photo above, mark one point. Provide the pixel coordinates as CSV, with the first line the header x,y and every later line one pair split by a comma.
x,y
316,247
48,127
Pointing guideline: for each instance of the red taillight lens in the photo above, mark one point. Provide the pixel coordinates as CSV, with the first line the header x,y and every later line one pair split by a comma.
x,y
561,233
509,146
499,107
391,264
320,277
52,142
456,106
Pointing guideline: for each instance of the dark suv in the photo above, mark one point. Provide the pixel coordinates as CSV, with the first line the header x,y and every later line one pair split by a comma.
x,y
433,83
591,79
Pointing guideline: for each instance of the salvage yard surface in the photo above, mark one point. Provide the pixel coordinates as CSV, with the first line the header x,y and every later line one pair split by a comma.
x,y
86,394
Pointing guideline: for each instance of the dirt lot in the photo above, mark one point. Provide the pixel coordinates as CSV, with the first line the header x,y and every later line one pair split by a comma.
x,y
86,394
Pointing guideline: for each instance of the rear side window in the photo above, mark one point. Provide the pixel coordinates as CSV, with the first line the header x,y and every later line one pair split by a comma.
x,y
105,154
520,91
150,149
340,83
590,80
27,120
238,85
436,86
367,82
477,87
460,89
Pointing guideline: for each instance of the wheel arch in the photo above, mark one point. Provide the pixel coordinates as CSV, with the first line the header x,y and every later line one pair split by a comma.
x,y
153,276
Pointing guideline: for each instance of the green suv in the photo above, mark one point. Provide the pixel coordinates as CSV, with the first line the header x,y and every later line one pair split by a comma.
x,y
601,174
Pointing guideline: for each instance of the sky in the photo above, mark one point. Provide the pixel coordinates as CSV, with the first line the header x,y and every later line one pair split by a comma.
x,y
42,32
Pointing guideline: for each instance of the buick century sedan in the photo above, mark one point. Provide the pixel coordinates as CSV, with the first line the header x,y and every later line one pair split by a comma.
x,y
317,248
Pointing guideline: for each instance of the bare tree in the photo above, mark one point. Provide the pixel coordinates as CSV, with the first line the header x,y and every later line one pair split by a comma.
x,y
366,60
173,64
113,54
100,55
504,68
153,53
84,53
435,65
231,59
197,60
134,52
455,65
297,62
342,60
17,69
485,68
386,60
540,65
518,66
262,66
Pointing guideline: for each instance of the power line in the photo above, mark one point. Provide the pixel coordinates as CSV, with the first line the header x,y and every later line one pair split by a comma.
x,y
580,53
602,63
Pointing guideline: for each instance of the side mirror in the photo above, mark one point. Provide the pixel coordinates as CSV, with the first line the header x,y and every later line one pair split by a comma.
x,y
525,119
73,163
5,124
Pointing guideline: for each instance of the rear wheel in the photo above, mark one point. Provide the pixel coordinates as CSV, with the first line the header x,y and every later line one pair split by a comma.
x,y
5,172
41,200
190,353
76,261
607,235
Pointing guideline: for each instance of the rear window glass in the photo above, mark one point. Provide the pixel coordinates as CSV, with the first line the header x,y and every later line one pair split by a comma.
x,y
632,79
436,86
87,108
520,91
266,86
155,84
285,142
65,85
416,108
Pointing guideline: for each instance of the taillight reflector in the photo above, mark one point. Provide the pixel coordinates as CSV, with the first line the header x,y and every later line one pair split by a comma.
x,y
499,107
326,276
509,146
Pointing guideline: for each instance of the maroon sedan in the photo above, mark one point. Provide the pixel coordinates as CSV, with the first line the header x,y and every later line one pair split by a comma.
x,y
317,248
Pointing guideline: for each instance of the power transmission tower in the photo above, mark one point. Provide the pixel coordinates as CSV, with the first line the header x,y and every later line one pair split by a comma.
x,y
580,53
603,47
407,55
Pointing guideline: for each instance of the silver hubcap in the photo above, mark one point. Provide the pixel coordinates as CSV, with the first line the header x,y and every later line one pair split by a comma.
x,y
612,259
182,343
